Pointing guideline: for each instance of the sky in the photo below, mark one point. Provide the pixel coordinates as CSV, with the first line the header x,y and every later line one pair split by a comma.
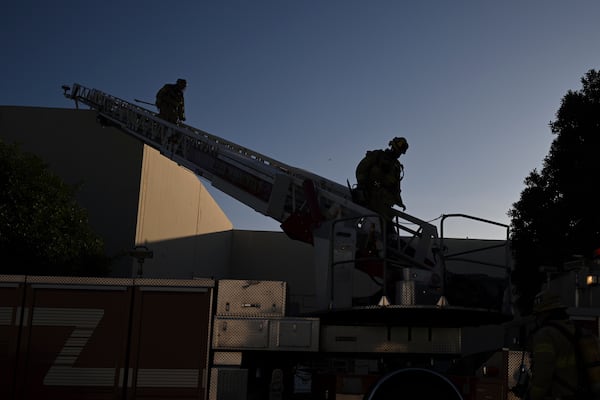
x,y
472,85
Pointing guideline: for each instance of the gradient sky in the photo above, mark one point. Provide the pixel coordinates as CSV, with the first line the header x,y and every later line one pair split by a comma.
x,y
472,85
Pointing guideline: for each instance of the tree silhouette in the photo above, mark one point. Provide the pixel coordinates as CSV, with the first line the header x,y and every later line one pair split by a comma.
x,y
557,216
43,231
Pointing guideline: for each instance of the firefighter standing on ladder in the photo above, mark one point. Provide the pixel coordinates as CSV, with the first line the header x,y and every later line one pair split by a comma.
x,y
170,103
378,177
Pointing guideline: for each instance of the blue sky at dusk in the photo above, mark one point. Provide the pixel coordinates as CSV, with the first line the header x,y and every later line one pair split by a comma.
x,y
472,85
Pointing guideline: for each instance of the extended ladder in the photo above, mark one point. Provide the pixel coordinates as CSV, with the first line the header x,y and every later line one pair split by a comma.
x,y
300,200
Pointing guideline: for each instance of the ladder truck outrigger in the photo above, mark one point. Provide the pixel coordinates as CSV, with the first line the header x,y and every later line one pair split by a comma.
x,y
390,306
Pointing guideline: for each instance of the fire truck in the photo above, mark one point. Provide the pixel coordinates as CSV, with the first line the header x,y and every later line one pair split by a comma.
x,y
393,310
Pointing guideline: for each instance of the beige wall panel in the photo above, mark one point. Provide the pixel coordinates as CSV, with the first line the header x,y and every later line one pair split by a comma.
x,y
174,203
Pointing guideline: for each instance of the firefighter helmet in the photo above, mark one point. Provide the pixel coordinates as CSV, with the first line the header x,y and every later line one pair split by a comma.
x,y
547,301
399,144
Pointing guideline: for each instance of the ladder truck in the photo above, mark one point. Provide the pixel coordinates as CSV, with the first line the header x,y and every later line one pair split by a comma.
x,y
390,298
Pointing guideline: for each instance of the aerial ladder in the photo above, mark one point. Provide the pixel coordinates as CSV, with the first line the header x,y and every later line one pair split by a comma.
x,y
310,208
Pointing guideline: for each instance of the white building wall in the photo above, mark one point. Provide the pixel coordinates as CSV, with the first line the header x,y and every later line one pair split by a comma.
x,y
200,256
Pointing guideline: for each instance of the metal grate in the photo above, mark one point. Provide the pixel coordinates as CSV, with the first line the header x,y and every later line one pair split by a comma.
x,y
228,384
516,359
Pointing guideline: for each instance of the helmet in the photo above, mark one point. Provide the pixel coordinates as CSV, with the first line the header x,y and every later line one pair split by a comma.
x,y
399,144
181,82
546,301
